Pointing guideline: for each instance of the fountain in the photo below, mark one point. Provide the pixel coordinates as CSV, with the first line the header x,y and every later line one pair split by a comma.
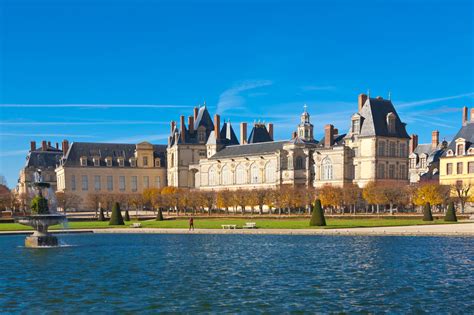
x,y
43,214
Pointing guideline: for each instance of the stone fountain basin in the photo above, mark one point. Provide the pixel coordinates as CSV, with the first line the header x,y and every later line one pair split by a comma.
x,y
41,220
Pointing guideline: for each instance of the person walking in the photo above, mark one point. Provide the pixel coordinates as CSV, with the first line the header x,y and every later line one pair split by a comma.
x,y
191,223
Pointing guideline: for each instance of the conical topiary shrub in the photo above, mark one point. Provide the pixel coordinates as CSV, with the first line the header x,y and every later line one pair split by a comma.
x,y
101,214
127,216
427,216
159,215
317,218
451,213
116,217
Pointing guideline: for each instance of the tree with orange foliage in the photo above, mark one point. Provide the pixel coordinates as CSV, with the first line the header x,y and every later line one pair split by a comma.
x,y
351,195
171,196
330,196
224,200
373,194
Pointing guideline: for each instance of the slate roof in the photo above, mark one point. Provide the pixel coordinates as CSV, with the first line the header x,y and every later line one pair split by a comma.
x,y
103,150
203,120
433,154
43,159
249,149
227,136
337,140
259,134
374,119
466,132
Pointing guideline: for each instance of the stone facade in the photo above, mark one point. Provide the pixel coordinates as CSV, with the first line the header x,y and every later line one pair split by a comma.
x,y
108,168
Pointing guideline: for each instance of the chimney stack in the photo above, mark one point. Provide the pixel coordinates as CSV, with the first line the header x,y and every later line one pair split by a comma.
x,y
217,126
472,114
49,144
57,146
362,100
65,146
294,134
270,130
328,136
413,143
172,125
464,115
243,133
434,139
43,145
183,129
191,124
196,111
336,131
32,145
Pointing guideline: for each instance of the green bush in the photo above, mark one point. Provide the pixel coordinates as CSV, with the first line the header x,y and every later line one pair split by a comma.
x,y
317,217
451,213
101,214
39,205
127,216
116,217
427,216
159,215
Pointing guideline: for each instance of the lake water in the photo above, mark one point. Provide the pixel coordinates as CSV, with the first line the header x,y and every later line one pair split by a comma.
x,y
238,273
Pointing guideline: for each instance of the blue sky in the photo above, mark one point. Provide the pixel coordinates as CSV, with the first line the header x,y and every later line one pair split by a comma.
x,y
119,71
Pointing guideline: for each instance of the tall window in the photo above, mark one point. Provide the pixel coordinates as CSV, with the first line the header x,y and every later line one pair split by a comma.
x,y
381,149
121,162
423,162
391,171
226,175
327,169
413,162
449,168
146,182
470,167
157,181
212,177
145,161
403,150
459,169
392,148
299,163
85,183
201,135
355,126
73,182
108,161
110,183
133,162
134,183
381,171
402,172
270,172
96,161
255,174
122,183
97,182
391,122
240,176
460,149
83,161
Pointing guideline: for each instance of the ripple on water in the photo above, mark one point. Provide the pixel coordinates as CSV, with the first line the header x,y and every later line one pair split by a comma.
x,y
239,273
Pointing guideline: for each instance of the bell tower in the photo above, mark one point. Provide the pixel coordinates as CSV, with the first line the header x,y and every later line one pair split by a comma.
x,y
305,128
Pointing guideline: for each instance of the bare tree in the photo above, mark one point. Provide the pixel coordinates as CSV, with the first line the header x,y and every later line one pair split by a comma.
x,y
462,193
67,200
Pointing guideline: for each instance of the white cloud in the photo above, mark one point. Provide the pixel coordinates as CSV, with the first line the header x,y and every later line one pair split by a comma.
x,y
318,88
433,100
232,98
44,135
100,106
80,123
139,138
13,153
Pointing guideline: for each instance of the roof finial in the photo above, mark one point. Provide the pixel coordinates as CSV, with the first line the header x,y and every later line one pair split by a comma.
x,y
305,107
368,94
389,95
204,103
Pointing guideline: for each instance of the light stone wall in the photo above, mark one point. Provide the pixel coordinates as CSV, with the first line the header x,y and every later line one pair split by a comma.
x,y
27,176
341,164
180,157
466,177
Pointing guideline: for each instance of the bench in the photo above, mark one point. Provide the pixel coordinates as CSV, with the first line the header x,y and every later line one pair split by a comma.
x,y
229,226
250,225
136,225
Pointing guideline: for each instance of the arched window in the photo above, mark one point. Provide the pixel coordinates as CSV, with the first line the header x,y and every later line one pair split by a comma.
x,y
327,169
299,163
391,122
226,175
212,177
270,172
240,176
255,174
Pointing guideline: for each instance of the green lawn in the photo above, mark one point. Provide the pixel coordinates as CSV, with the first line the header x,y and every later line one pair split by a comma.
x,y
263,223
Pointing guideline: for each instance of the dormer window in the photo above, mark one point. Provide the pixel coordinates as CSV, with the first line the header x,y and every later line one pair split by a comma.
x,y
391,122
145,161
96,161
120,161
449,153
470,151
413,162
83,161
423,162
157,162
108,161
133,162
460,149
201,135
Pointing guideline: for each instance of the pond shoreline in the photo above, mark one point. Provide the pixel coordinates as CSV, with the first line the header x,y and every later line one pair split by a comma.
x,y
461,229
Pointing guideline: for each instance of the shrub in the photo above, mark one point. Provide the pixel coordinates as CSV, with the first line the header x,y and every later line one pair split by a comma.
x,y
116,217
317,217
101,214
39,205
159,215
427,216
451,213
127,216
